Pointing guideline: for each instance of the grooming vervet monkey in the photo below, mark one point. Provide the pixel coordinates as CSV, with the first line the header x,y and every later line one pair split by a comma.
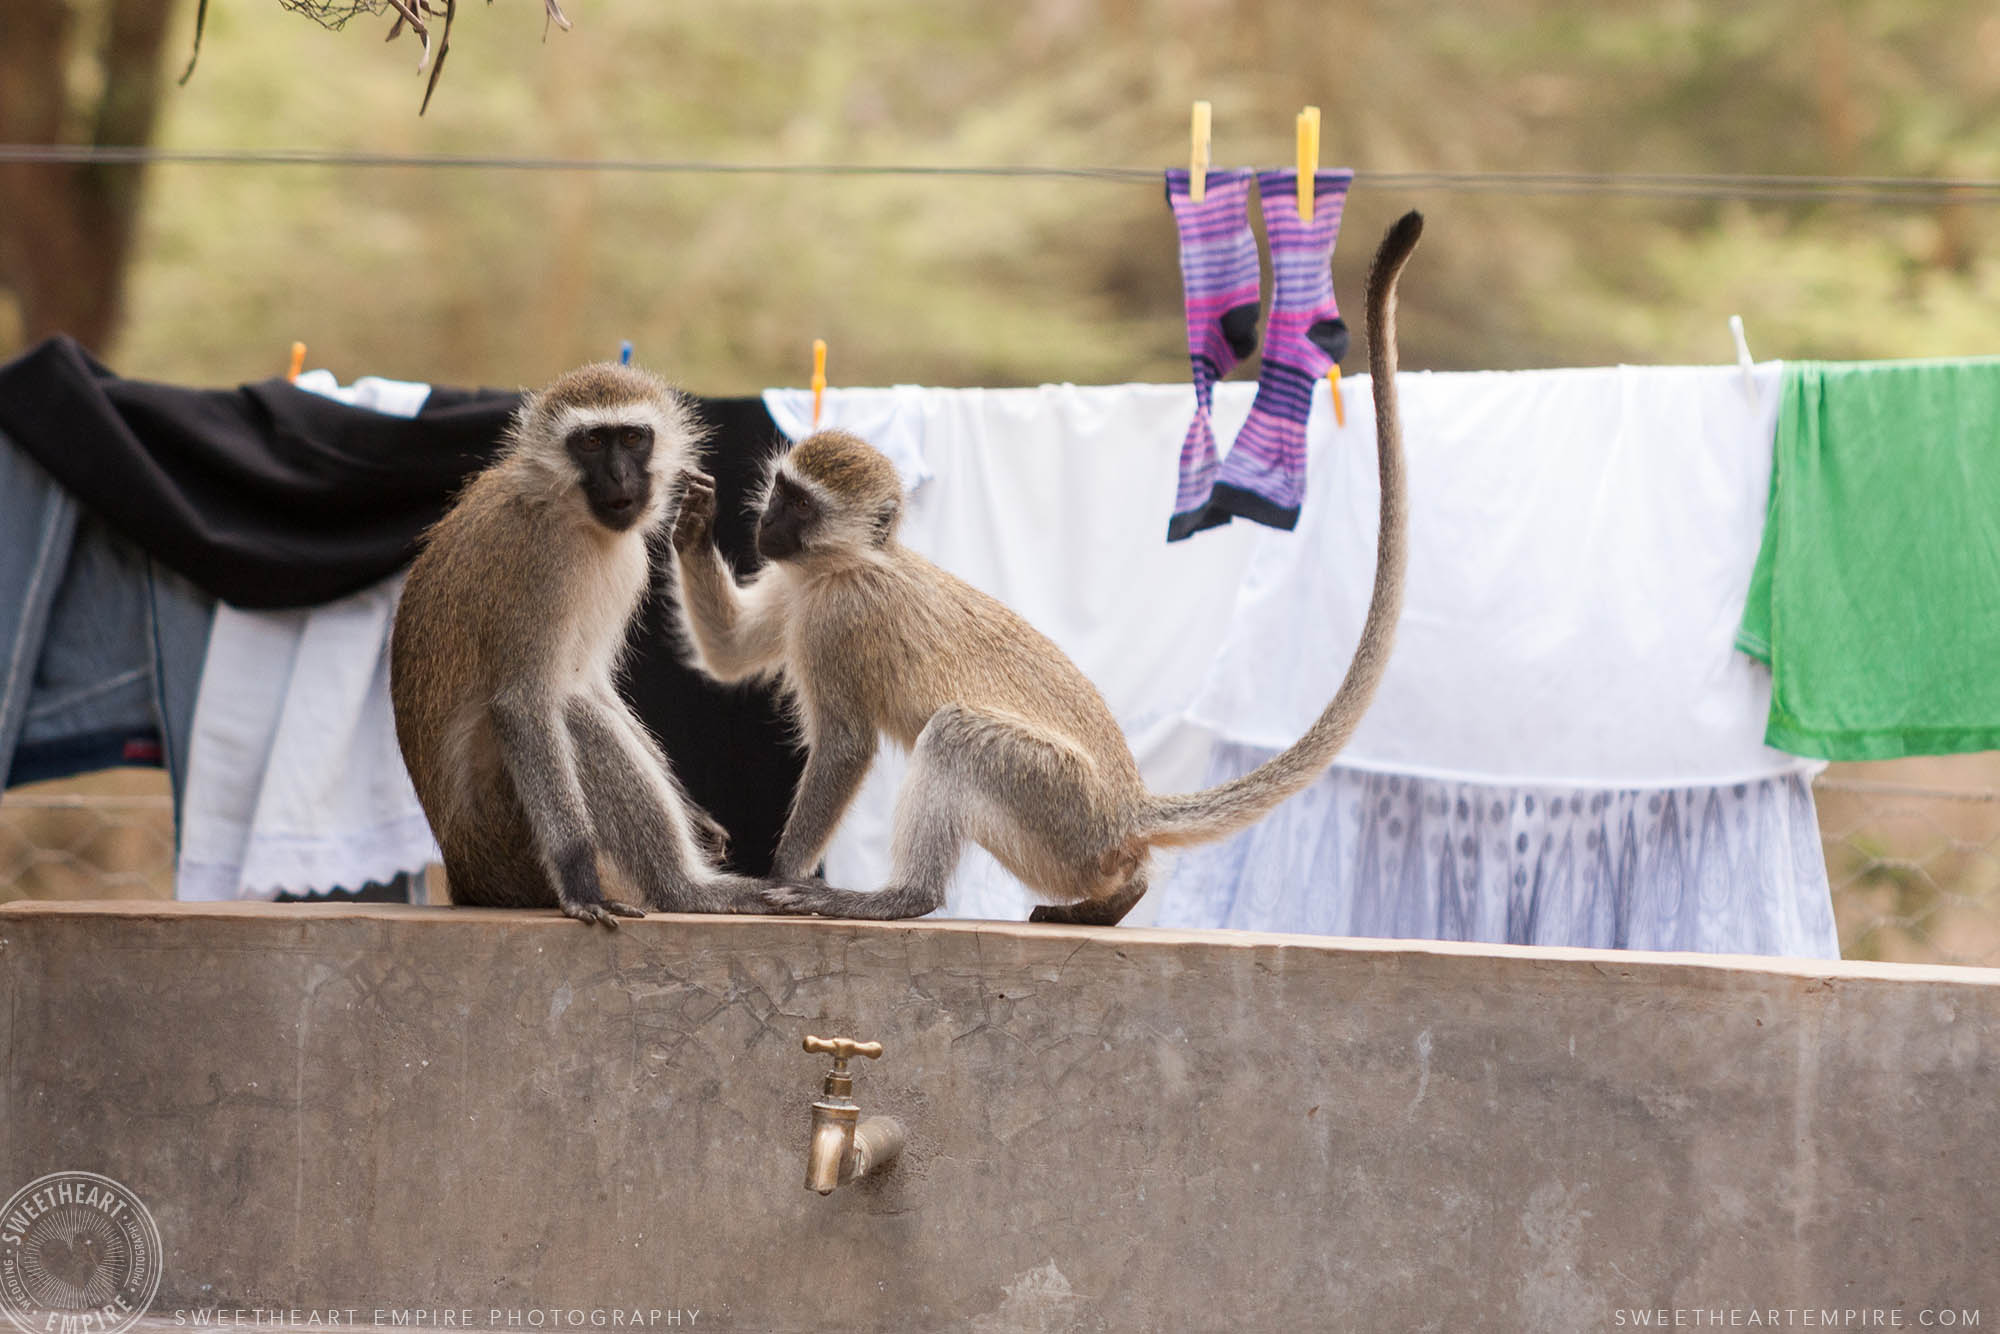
x,y
529,765
1011,746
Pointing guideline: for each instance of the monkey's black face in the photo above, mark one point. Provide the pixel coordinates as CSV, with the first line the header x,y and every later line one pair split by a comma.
x,y
614,459
789,517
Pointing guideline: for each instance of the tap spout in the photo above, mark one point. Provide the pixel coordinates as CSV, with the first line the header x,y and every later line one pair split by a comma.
x,y
831,1150
843,1146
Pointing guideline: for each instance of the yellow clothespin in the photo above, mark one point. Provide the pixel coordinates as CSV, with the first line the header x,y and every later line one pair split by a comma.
x,y
1198,152
1308,180
1308,126
298,361
819,377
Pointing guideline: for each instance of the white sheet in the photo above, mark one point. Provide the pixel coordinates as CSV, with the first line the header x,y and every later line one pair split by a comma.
x,y
892,420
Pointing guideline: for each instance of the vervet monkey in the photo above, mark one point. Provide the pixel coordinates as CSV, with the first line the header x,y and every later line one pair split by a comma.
x,y
1011,746
529,765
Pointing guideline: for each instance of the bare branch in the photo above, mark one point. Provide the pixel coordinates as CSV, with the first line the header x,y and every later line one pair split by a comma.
x,y
421,17
200,22
444,49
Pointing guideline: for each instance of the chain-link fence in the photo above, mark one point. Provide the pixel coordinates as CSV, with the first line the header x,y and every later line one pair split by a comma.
x,y
1915,868
67,844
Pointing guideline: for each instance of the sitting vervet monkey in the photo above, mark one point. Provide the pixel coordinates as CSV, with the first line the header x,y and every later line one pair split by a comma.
x,y
1011,746
529,765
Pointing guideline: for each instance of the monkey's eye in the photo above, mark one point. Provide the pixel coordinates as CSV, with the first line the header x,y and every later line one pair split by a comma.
x,y
632,436
590,442
799,505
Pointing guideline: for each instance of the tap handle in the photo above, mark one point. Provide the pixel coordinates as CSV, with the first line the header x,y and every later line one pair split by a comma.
x,y
843,1048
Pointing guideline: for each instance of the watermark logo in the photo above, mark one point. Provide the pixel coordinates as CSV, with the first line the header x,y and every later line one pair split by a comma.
x,y
79,1254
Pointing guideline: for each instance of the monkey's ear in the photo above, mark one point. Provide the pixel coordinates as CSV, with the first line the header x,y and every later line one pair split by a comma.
x,y
883,522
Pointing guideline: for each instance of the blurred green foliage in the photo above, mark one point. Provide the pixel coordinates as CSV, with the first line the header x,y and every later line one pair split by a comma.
x,y
506,277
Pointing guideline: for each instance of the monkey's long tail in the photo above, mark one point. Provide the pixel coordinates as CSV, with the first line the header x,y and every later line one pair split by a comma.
x,y
1202,817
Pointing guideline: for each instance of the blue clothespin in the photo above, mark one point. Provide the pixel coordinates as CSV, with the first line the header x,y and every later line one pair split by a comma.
x,y
625,352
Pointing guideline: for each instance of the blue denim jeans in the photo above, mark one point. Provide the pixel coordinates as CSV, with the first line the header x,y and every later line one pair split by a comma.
x,y
101,648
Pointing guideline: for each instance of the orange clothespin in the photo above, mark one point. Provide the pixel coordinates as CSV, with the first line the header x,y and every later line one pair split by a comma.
x,y
298,361
1198,158
1333,385
1308,128
819,378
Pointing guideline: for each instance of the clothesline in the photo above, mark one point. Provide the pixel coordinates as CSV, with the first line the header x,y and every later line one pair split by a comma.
x,y
1821,189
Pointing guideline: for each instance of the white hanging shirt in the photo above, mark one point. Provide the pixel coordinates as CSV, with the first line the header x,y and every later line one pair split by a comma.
x,y
1580,548
295,782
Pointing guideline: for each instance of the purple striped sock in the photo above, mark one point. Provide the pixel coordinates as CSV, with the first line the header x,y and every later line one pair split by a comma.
x,y
1219,276
1264,477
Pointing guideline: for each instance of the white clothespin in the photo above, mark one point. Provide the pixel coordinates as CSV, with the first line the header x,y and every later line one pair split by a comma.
x,y
1743,361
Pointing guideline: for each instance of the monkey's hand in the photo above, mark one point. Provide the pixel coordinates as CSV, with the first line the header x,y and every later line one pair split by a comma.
x,y
694,525
606,911
709,835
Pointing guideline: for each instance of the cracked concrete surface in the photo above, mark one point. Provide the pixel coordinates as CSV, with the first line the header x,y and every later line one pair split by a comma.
x,y
383,1108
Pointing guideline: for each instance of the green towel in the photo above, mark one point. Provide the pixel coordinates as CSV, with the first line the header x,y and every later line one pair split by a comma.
x,y
1876,597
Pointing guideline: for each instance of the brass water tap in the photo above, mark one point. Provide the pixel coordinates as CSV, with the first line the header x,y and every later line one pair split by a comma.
x,y
843,1146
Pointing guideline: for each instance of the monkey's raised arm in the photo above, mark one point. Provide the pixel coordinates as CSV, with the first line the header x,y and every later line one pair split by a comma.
x,y
736,632
837,763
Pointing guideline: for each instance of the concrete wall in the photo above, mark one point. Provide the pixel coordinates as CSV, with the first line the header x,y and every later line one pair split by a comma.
x,y
454,1110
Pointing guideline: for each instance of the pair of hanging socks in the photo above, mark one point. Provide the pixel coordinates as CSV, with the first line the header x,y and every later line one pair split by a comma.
x,y
1263,479
1222,290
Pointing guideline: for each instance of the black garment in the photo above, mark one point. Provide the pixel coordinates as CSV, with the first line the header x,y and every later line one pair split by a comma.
x,y
731,745
269,496
265,495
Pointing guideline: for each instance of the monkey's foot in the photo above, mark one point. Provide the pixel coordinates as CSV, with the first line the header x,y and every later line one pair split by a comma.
x,y
1091,912
808,897
716,892
1107,911
746,896
793,897
608,911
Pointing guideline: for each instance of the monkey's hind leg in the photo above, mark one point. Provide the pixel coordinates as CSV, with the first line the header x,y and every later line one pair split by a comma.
x,y
979,776
543,770
647,825
489,852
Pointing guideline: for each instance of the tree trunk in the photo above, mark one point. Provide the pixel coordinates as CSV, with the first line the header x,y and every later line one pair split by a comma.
x,y
66,229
